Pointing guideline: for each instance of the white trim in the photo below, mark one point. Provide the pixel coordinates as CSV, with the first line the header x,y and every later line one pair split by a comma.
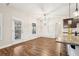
x,y
14,19
1,23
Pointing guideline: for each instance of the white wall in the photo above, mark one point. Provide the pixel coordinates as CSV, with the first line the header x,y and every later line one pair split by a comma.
x,y
52,27
7,13
1,26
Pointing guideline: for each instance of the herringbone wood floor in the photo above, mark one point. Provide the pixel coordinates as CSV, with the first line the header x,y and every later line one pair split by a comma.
x,y
37,47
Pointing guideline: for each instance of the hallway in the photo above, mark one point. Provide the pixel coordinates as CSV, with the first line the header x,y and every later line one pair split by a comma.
x,y
39,29
37,47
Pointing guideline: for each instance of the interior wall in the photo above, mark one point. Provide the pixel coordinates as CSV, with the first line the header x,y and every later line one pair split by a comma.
x,y
52,27
7,13
1,24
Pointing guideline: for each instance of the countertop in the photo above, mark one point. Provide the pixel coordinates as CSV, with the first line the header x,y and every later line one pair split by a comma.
x,y
64,39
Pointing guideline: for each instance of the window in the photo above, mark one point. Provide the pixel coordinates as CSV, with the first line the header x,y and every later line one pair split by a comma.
x,y
17,29
33,28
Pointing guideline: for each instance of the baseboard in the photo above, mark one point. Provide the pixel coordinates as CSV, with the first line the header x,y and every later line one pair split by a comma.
x,y
17,42
14,43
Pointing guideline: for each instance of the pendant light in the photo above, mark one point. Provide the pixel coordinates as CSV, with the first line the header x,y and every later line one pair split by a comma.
x,y
45,19
76,13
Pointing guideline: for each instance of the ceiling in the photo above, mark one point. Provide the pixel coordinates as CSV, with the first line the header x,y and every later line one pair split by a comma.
x,y
50,9
40,8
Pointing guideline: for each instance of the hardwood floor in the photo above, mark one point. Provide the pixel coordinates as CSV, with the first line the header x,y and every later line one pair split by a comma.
x,y
37,47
